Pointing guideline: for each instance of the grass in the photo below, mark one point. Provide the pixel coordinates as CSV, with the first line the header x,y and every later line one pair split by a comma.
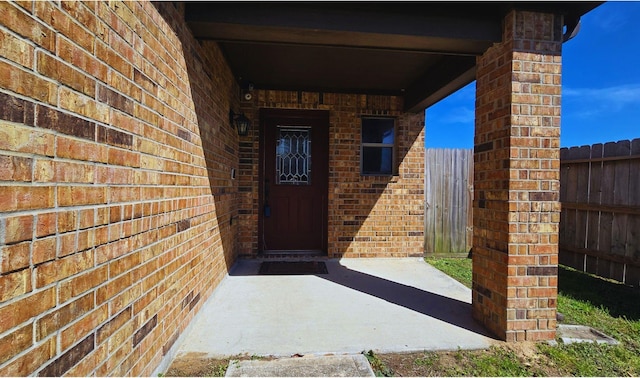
x,y
378,365
584,299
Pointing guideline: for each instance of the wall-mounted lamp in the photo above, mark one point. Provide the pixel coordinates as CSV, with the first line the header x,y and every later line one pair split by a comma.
x,y
240,121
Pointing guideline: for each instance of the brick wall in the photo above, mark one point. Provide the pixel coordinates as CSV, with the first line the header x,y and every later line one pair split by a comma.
x,y
516,188
116,196
368,216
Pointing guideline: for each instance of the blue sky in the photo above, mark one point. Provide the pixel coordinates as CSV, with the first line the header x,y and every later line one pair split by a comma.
x,y
600,86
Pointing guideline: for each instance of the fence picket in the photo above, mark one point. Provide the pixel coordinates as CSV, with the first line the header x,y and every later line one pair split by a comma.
x,y
600,218
448,222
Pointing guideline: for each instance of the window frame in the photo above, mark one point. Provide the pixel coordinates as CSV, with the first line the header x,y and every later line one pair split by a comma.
x,y
393,146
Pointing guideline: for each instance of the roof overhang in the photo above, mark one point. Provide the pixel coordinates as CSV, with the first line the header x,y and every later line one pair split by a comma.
x,y
421,51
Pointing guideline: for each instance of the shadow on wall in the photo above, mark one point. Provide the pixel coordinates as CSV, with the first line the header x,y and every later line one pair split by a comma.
x,y
208,134
368,216
370,211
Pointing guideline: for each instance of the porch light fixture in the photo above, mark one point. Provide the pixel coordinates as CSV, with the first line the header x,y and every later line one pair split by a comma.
x,y
241,122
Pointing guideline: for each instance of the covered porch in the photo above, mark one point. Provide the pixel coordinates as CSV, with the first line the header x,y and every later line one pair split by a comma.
x,y
384,305
355,61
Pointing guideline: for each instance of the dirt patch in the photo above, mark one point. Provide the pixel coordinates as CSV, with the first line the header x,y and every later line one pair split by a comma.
x,y
506,359
513,359
197,365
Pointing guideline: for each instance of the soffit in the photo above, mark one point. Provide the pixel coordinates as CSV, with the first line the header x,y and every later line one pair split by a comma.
x,y
422,51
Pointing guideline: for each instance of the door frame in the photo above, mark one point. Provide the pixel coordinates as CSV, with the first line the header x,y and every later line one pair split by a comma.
x,y
267,114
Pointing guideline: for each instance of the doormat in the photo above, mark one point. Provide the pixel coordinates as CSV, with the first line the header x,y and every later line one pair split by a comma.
x,y
292,268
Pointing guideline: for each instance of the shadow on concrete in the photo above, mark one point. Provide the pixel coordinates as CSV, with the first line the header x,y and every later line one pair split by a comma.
x,y
437,306
442,307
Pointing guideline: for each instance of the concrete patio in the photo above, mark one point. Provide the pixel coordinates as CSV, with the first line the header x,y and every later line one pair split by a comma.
x,y
386,305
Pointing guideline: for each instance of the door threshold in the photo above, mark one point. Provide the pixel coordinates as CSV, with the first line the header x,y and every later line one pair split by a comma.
x,y
291,254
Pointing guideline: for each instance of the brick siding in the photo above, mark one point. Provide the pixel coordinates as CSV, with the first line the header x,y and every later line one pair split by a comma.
x,y
119,213
516,188
115,184
369,216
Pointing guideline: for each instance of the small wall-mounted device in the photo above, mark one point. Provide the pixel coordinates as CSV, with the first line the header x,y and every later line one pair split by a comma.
x,y
233,173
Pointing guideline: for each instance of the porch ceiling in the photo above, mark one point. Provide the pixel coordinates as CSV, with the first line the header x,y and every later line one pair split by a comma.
x,y
422,51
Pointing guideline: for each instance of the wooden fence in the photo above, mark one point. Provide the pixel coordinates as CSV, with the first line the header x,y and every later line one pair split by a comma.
x,y
600,220
600,195
448,206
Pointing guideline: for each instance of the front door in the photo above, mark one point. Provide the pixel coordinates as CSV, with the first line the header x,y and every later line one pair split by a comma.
x,y
294,170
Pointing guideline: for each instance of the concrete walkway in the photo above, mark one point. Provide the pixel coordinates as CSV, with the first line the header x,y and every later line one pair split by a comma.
x,y
384,305
307,366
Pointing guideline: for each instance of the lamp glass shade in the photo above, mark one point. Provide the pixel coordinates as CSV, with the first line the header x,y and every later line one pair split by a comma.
x,y
242,124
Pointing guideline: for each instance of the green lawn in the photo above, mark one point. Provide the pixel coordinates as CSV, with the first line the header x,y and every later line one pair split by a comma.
x,y
583,299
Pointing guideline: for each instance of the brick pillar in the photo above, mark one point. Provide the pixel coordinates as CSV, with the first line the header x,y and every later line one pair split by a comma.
x,y
517,170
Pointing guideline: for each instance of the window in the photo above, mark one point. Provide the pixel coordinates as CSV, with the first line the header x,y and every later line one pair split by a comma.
x,y
377,153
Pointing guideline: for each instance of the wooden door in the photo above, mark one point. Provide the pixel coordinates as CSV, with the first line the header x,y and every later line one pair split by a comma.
x,y
294,179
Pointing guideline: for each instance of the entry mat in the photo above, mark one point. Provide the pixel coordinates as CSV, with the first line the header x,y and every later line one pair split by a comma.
x,y
292,268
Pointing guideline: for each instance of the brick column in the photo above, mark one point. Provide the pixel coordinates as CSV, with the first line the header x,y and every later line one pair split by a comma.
x,y
517,170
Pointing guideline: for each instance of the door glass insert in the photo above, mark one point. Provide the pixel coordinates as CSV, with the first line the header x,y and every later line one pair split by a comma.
x,y
293,156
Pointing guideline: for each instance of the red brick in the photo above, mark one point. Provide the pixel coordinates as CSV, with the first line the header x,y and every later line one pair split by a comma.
x,y
109,328
78,103
27,84
124,264
82,60
57,270
58,319
73,172
45,224
57,70
124,157
44,250
15,168
67,221
88,363
82,13
22,24
15,256
25,139
20,311
126,298
28,363
62,23
81,195
83,327
44,171
18,229
113,60
14,198
80,150
81,283
68,244
16,342
15,49
86,239
15,284
112,288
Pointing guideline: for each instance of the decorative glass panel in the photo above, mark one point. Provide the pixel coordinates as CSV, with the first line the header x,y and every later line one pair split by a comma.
x,y
293,156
